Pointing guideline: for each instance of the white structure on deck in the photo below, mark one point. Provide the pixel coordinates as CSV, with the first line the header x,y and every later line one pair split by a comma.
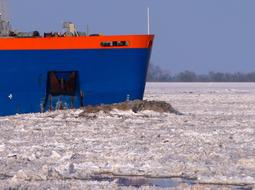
x,y
4,21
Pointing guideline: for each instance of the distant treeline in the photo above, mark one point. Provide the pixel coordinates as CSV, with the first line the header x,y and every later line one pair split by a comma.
x,y
156,74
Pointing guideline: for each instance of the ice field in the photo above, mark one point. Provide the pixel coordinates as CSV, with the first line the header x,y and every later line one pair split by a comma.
x,y
210,146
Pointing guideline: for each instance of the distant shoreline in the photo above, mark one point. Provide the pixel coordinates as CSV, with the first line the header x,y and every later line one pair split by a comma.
x,y
157,74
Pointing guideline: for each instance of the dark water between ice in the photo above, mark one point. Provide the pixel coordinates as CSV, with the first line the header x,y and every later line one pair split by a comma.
x,y
155,182
134,181
144,181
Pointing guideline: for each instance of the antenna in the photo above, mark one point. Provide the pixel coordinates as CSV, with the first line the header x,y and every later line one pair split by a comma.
x,y
87,29
148,20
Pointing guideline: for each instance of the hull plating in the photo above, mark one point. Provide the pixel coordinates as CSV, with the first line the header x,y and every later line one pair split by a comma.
x,y
104,76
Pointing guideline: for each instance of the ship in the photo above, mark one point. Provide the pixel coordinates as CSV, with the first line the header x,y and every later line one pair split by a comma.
x,y
50,71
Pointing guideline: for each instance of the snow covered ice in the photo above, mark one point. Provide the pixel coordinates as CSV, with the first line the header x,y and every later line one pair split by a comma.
x,y
213,142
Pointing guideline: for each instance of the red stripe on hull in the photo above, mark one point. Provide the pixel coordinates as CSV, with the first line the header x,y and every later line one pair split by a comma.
x,y
82,42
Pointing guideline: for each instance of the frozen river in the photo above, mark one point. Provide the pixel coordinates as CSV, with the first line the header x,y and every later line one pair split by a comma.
x,y
212,145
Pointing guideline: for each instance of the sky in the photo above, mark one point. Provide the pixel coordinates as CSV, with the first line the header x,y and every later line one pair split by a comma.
x,y
195,35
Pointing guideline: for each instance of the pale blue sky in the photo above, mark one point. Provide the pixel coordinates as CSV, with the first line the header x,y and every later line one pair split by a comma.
x,y
196,35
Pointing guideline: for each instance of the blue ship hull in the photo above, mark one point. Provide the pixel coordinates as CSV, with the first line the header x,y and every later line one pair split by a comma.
x,y
103,75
